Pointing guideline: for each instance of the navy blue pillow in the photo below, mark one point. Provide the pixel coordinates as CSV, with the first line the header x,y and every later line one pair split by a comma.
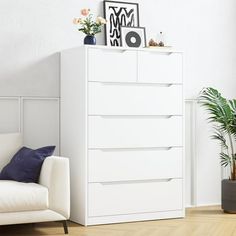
x,y
25,165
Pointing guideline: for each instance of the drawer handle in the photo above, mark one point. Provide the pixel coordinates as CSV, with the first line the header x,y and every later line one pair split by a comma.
x,y
160,52
114,50
136,84
135,149
168,117
136,181
135,116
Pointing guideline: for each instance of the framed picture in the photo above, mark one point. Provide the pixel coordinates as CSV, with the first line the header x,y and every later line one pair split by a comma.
x,y
134,37
119,14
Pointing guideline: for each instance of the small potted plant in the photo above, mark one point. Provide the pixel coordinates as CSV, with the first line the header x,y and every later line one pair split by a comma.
x,y
89,26
222,113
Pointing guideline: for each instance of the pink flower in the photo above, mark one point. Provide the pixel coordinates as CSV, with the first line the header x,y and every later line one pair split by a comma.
x,y
85,11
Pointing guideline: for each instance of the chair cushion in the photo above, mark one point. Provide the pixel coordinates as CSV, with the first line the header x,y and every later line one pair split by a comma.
x,y
25,166
10,144
17,196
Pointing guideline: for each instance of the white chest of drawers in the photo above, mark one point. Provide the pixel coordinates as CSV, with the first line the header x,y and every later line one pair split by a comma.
x,y
122,127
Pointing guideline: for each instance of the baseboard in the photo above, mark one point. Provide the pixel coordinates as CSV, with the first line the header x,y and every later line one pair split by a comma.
x,y
204,205
135,217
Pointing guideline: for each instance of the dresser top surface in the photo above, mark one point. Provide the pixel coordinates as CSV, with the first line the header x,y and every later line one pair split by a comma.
x,y
146,49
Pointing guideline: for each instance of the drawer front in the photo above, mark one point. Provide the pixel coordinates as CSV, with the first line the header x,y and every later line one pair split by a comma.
x,y
129,132
156,67
112,65
121,165
129,198
134,99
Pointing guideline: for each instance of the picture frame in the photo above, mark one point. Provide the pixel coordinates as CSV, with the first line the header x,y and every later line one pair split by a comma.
x,y
133,37
119,14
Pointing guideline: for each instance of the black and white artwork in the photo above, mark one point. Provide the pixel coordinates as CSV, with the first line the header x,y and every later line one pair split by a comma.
x,y
119,14
134,37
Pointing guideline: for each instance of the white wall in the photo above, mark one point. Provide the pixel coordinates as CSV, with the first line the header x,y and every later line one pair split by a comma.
x,y
32,32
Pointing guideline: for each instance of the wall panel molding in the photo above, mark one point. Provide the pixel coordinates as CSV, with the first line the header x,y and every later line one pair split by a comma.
x,y
202,156
10,114
37,118
191,146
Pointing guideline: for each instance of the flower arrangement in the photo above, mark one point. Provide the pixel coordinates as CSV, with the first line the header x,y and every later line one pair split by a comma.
x,y
87,24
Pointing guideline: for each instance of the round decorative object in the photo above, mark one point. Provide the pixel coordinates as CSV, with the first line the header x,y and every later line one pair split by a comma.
x,y
90,39
133,39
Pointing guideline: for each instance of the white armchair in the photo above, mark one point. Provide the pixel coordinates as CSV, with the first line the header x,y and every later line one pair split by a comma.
x,y
49,200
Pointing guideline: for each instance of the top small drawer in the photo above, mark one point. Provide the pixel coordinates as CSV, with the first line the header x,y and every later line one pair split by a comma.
x,y
156,67
112,65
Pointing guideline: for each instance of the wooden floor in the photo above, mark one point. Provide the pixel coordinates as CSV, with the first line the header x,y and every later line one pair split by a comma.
x,y
204,221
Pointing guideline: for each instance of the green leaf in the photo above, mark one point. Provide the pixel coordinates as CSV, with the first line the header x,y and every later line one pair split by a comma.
x,y
219,109
222,113
225,159
218,135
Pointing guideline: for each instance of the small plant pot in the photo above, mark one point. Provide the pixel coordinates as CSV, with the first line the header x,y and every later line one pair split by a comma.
x,y
90,40
228,196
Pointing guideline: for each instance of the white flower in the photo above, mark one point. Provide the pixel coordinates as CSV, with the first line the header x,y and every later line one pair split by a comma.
x,y
100,20
77,21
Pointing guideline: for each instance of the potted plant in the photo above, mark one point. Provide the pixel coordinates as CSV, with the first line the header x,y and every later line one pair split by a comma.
x,y
89,26
222,113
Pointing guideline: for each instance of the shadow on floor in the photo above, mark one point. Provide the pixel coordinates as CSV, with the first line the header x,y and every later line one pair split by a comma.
x,y
48,228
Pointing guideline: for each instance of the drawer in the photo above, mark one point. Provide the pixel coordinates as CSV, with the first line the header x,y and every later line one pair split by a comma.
x,y
131,132
139,197
134,99
154,67
112,65
121,165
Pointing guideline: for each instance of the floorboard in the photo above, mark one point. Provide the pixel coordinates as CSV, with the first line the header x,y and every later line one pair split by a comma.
x,y
201,221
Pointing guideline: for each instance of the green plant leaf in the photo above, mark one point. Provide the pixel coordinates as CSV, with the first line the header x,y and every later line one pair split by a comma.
x,y
222,113
225,159
218,135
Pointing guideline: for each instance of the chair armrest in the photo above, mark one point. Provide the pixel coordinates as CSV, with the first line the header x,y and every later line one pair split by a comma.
x,y
55,175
